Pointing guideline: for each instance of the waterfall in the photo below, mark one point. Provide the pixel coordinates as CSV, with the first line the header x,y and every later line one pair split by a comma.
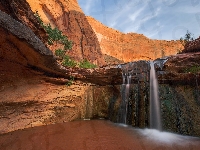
x,y
125,98
125,90
136,75
133,91
155,118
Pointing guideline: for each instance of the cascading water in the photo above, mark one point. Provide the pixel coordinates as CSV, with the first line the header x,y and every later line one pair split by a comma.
x,y
140,105
125,97
136,93
133,91
155,117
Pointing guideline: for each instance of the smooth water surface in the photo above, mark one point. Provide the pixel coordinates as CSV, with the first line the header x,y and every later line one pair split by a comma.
x,y
94,135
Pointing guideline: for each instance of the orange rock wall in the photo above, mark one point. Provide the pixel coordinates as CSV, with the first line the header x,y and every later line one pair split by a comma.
x,y
131,46
69,18
92,39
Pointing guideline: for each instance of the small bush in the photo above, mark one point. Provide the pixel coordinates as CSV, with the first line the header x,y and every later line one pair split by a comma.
x,y
39,18
54,35
86,64
193,69
60,53
70,82
68,62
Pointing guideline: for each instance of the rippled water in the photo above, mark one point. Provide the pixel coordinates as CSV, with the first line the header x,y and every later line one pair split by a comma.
x,y
94,135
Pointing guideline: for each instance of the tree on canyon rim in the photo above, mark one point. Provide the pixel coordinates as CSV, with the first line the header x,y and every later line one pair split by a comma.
x,y
187,38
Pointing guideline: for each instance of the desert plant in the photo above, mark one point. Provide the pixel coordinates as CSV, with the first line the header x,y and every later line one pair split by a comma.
x,y
192,69
60,53
70,81
68,62
86,64
54,35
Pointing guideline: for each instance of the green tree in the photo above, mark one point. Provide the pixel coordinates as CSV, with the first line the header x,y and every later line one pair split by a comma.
x,y
187,38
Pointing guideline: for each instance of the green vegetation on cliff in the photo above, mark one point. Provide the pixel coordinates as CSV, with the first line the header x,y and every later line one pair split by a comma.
x,y
193,69
86,64
55,35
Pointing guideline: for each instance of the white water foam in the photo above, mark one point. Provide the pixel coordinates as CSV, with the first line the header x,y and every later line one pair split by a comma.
x,y
161,137
166,137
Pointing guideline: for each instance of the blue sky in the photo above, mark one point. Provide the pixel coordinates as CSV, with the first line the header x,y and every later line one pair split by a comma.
x,y
156,19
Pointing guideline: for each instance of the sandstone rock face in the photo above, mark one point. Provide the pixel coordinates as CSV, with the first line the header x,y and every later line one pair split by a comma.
x,y
192,46
25,50
69,18
33,87
21,11
30,93
182,69
132,46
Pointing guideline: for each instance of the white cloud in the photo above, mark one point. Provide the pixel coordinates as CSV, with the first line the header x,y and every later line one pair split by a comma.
x,y
138,13
149,17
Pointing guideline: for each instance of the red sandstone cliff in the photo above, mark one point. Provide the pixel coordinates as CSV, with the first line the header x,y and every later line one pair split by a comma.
x,y
69,18
33,87
92,39
32,91
192,46
131,46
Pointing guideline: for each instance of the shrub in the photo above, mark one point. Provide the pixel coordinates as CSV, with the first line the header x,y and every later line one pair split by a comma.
x,y
86,64
70,82
60,53
68,62
192,69
54,35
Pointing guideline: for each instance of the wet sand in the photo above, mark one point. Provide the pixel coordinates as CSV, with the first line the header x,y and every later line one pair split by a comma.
x,y
93,135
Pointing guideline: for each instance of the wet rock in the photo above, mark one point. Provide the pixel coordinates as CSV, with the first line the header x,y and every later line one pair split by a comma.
x,y
181,69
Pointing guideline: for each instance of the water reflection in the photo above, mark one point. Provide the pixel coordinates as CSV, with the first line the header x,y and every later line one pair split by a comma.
x,y
94,135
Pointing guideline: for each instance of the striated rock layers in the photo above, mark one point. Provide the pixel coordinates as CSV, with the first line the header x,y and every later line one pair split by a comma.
x,y
69,18
131,46
28,96
33,87
192,46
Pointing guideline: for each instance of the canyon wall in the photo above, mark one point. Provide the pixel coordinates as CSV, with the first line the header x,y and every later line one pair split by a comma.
x,y
33,87
69,18
131,46
95,41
